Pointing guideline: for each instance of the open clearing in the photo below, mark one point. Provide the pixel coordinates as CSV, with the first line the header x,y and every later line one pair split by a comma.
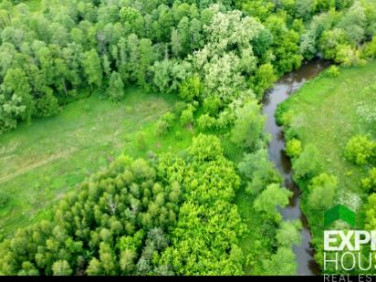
x,y
326,114
42,161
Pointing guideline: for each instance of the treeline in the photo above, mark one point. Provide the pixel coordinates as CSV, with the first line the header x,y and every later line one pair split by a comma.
x,y
102,227
332,29
128,218
193,48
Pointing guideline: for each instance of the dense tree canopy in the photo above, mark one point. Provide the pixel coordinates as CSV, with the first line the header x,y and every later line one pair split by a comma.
x,y
175,213
194,48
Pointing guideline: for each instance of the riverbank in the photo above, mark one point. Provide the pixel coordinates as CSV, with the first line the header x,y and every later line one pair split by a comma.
x,y
282,90
325,114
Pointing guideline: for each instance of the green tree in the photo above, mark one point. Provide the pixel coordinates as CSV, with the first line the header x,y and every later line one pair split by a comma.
x,y
322,191
294,148
61,268
289,234
263,79
272,198
190,89
146,59
307,164
248,131
16,86
281,263
94,268
92,67
370,220
116,87
47,105
258,170
206,122
369,182
360,149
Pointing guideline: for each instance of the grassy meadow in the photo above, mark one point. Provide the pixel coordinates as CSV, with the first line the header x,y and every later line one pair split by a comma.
x,y
327,112
40,162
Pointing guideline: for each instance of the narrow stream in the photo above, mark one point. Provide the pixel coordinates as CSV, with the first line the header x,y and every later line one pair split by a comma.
x,y
286,86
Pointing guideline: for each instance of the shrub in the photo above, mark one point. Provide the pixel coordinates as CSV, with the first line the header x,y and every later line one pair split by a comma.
x,y
333,71
360,150
369,183
165,123
322,191
186,116
211,105
206,122
169,118
307,165
294,148
179,108
162,128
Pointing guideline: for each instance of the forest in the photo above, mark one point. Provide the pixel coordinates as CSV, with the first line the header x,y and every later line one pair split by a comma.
x,y
133,141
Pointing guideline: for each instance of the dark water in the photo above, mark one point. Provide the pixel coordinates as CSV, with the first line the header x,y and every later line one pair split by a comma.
x,y
286,86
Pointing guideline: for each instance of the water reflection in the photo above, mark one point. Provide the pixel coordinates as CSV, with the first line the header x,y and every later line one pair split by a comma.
x,y
286,86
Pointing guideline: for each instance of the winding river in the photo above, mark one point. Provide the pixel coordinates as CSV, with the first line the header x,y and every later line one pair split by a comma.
x,y
286,86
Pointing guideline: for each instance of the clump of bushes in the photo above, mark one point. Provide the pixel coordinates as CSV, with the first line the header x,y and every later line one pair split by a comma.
x,y
333,71
165,123
206,122
360,150
369,183
294,148
186,116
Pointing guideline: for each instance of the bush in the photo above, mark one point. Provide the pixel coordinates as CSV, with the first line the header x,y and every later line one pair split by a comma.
x,y
369,183
322,191
294,148
169,118
307,165
165,123
190,89
186,116
333,71
162,128
211,105
283,115
206,122
179,108
360,150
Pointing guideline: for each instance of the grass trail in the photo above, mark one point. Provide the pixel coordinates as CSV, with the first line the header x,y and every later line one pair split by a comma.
x,y
40,162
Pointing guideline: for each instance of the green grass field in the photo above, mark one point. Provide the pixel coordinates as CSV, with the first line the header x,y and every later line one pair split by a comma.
x,y
40,162
325,112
